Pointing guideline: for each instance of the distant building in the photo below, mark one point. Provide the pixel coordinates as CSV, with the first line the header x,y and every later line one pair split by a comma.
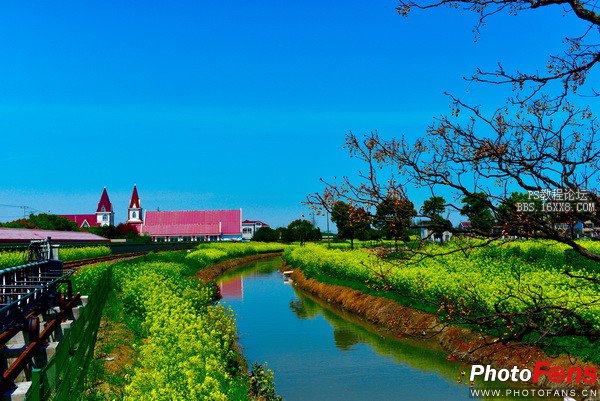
x,y
250,227
465,226
589,229
104,215
427,234
134,212
578,229
82,220
169,226
184,225
193,225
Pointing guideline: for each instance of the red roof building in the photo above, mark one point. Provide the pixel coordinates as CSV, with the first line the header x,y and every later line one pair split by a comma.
x,y
134,203
104,216
134,212
82,220
104,213
193,225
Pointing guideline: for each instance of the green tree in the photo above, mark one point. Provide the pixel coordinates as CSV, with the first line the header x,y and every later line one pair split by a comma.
x,y
351,222
266,234
393,217
520,215
301,230
476,208
44,221
433,208
105,231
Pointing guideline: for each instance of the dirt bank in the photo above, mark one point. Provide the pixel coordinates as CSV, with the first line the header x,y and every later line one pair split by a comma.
x,y
463,344
211,273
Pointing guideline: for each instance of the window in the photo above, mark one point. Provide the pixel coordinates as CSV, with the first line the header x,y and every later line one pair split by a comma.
x,y
104,217
133,215
247,230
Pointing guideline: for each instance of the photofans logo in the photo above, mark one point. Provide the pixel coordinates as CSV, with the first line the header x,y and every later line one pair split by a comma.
x,y
555,374
543,372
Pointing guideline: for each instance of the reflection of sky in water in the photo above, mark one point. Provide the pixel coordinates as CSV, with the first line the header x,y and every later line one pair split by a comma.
x,y
316,355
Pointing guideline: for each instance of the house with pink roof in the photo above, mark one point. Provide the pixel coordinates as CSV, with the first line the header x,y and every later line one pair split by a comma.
x,y
185,225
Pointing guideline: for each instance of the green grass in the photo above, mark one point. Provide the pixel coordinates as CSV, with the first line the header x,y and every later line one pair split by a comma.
x,y
184,345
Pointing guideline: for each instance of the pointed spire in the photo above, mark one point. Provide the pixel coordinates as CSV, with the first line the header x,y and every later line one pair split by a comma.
x,y
135,199
104,205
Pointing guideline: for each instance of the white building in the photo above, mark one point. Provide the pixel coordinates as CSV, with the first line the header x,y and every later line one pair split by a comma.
x,y
249,228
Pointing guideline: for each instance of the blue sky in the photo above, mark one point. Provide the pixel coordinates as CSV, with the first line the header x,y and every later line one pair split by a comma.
x,y
228,104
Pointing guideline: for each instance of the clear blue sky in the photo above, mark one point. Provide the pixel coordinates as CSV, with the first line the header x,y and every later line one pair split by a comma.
x,y
226,104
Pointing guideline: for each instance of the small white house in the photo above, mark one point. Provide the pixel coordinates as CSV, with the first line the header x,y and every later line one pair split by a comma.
x,y
249,228
427,234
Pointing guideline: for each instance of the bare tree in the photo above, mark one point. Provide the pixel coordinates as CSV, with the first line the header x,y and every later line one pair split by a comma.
x,y
533,162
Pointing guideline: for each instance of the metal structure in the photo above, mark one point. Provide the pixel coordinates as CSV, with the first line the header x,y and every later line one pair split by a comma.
x,y
26,291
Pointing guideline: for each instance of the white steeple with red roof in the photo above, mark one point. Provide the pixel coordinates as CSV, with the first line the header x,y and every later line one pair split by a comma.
x,y
104,213
134,214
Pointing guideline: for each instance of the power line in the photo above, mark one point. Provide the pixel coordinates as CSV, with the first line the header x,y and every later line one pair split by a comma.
x,y
23,207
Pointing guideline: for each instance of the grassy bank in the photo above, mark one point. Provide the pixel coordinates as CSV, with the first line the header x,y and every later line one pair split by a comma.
x,y
517,277
164,336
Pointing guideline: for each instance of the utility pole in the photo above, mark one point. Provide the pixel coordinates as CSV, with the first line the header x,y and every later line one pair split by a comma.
x,y
24,208
328,231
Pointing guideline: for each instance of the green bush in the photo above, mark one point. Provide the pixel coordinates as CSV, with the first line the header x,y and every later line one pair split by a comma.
x,y
206,254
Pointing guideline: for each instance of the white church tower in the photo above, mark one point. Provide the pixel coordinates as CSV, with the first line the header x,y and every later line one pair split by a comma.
x,y
134,213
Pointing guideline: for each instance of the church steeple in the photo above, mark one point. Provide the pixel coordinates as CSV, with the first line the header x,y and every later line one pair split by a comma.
x,y
134,214
104,213
135,199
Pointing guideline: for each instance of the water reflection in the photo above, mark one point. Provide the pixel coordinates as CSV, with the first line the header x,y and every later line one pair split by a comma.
x,y
232,288
305,308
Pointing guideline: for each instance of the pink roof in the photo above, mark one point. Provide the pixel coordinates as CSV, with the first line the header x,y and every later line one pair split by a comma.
x,y
193,222
182,229
104,202
25,235
80,218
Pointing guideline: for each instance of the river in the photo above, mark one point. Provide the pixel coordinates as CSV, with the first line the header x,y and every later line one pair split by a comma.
x,y
321,353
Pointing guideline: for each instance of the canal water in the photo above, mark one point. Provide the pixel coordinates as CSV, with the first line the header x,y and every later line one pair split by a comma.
x,y
319,353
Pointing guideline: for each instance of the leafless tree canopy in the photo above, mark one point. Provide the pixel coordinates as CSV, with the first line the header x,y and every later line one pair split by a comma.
x,y
570,68
539,140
